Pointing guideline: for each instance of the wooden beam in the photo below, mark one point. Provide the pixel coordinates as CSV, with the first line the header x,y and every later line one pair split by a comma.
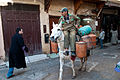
x,y
100,4
77,4
47,4
91,1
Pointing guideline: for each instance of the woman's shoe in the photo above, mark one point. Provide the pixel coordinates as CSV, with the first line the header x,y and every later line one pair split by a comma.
x,y
10,73
8,77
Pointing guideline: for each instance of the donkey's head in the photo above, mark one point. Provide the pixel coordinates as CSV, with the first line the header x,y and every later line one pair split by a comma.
x,y
56,32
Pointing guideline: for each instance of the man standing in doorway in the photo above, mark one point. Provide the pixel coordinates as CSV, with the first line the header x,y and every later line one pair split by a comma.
x,y
69,25
101,37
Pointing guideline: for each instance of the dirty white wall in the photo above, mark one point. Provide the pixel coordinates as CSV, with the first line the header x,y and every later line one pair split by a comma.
x,y
44,20
2,52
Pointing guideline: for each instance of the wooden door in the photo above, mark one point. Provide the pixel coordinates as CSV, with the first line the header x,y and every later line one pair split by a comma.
x,y
52,19
27,17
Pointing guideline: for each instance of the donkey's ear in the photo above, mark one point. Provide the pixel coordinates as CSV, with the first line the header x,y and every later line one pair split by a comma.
x,y
60,24
53,24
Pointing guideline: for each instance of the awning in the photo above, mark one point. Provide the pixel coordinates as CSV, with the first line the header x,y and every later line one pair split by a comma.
x,y
112,4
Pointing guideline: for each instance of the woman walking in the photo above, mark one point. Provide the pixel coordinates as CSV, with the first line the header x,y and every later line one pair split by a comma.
x,y
16,52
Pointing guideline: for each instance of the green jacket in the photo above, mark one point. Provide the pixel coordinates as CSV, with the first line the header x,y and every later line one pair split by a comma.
x,y
73,20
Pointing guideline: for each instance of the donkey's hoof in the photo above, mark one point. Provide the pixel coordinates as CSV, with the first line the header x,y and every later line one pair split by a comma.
x,y
73,77
80,69
85,70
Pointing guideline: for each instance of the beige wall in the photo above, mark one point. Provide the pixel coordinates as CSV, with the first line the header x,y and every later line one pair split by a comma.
x,y
2,52
57,5
44,20
85,9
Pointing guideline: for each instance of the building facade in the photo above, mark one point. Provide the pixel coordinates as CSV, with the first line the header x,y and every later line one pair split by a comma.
x,y
36,17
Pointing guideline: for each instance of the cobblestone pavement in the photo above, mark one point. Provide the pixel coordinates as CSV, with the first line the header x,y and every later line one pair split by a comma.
x,y
100,66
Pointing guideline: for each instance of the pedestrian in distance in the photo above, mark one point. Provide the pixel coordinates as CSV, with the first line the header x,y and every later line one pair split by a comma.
x,y
101,37
117,68
70,23
114,39
16,52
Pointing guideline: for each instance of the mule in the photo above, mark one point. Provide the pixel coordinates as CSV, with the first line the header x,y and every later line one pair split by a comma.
x,y
57,35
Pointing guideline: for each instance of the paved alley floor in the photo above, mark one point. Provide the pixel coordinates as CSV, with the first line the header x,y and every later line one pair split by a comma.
x,y
100,66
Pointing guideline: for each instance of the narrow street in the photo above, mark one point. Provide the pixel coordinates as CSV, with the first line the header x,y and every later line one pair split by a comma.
x,y
30,26
100,67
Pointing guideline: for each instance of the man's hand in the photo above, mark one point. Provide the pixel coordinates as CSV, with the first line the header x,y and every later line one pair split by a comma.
x,y
62,29
76,26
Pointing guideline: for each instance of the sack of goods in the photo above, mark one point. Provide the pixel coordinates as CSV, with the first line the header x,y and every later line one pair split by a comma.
x,y
84,30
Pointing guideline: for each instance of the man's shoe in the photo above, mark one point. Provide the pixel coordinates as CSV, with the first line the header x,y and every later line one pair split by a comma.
x,y
73,54
10,73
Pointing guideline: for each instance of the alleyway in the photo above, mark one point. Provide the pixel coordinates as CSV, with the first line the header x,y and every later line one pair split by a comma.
x,y
100,67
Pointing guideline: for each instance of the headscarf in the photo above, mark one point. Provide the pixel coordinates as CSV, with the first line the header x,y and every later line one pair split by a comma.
x,y
18,29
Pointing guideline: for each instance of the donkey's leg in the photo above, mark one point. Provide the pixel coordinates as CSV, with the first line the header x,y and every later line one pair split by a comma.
x,y
85,63
72,63
61,68
82,62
